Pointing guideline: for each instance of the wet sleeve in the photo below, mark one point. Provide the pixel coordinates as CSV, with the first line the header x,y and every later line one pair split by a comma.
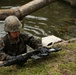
x,y
4,56
34,43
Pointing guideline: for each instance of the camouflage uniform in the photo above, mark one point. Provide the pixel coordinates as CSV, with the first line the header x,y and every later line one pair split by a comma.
x,y
12,24
19,47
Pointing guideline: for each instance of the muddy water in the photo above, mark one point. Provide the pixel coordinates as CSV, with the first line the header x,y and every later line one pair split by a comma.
x,y
57,19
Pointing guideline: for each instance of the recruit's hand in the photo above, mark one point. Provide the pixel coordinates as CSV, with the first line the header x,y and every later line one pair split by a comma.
x,y
43,50
10,57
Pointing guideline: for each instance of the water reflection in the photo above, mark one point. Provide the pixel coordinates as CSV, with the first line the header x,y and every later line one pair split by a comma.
x,y
60,20
57,19
35,17
32,25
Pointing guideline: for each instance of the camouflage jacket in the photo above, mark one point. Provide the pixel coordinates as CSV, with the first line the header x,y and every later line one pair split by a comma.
x,y
19,47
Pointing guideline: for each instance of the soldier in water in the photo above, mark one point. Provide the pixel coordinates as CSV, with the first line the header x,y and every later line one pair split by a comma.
x,y
14,42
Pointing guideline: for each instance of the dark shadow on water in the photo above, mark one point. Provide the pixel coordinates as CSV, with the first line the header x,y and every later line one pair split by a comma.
x,y
67,3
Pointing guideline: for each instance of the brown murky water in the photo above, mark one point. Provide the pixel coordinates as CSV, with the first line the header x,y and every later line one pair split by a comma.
x,y
57,19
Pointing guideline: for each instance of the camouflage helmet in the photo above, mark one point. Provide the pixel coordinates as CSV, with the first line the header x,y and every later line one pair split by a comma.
x,y
1,43
12,24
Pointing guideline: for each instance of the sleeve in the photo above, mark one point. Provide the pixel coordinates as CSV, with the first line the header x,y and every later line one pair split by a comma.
x,y
34,43
3,55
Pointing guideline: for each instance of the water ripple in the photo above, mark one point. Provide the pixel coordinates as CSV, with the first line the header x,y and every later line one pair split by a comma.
x,y
36,30
35,17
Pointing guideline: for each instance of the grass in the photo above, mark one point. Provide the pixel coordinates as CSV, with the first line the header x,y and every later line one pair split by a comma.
x,y
59,63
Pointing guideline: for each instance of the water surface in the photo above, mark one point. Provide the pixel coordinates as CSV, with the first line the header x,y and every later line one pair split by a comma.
x,y
57,19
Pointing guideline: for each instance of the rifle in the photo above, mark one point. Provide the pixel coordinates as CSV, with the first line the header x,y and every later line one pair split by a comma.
x,y
30,55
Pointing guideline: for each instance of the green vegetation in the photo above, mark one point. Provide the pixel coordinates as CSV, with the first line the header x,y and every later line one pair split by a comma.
x,y
60,63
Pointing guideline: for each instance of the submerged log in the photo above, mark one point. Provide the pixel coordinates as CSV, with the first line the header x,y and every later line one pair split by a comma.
x,y
24,10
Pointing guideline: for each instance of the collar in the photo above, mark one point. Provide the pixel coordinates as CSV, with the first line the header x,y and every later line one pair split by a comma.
x,y
12,42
